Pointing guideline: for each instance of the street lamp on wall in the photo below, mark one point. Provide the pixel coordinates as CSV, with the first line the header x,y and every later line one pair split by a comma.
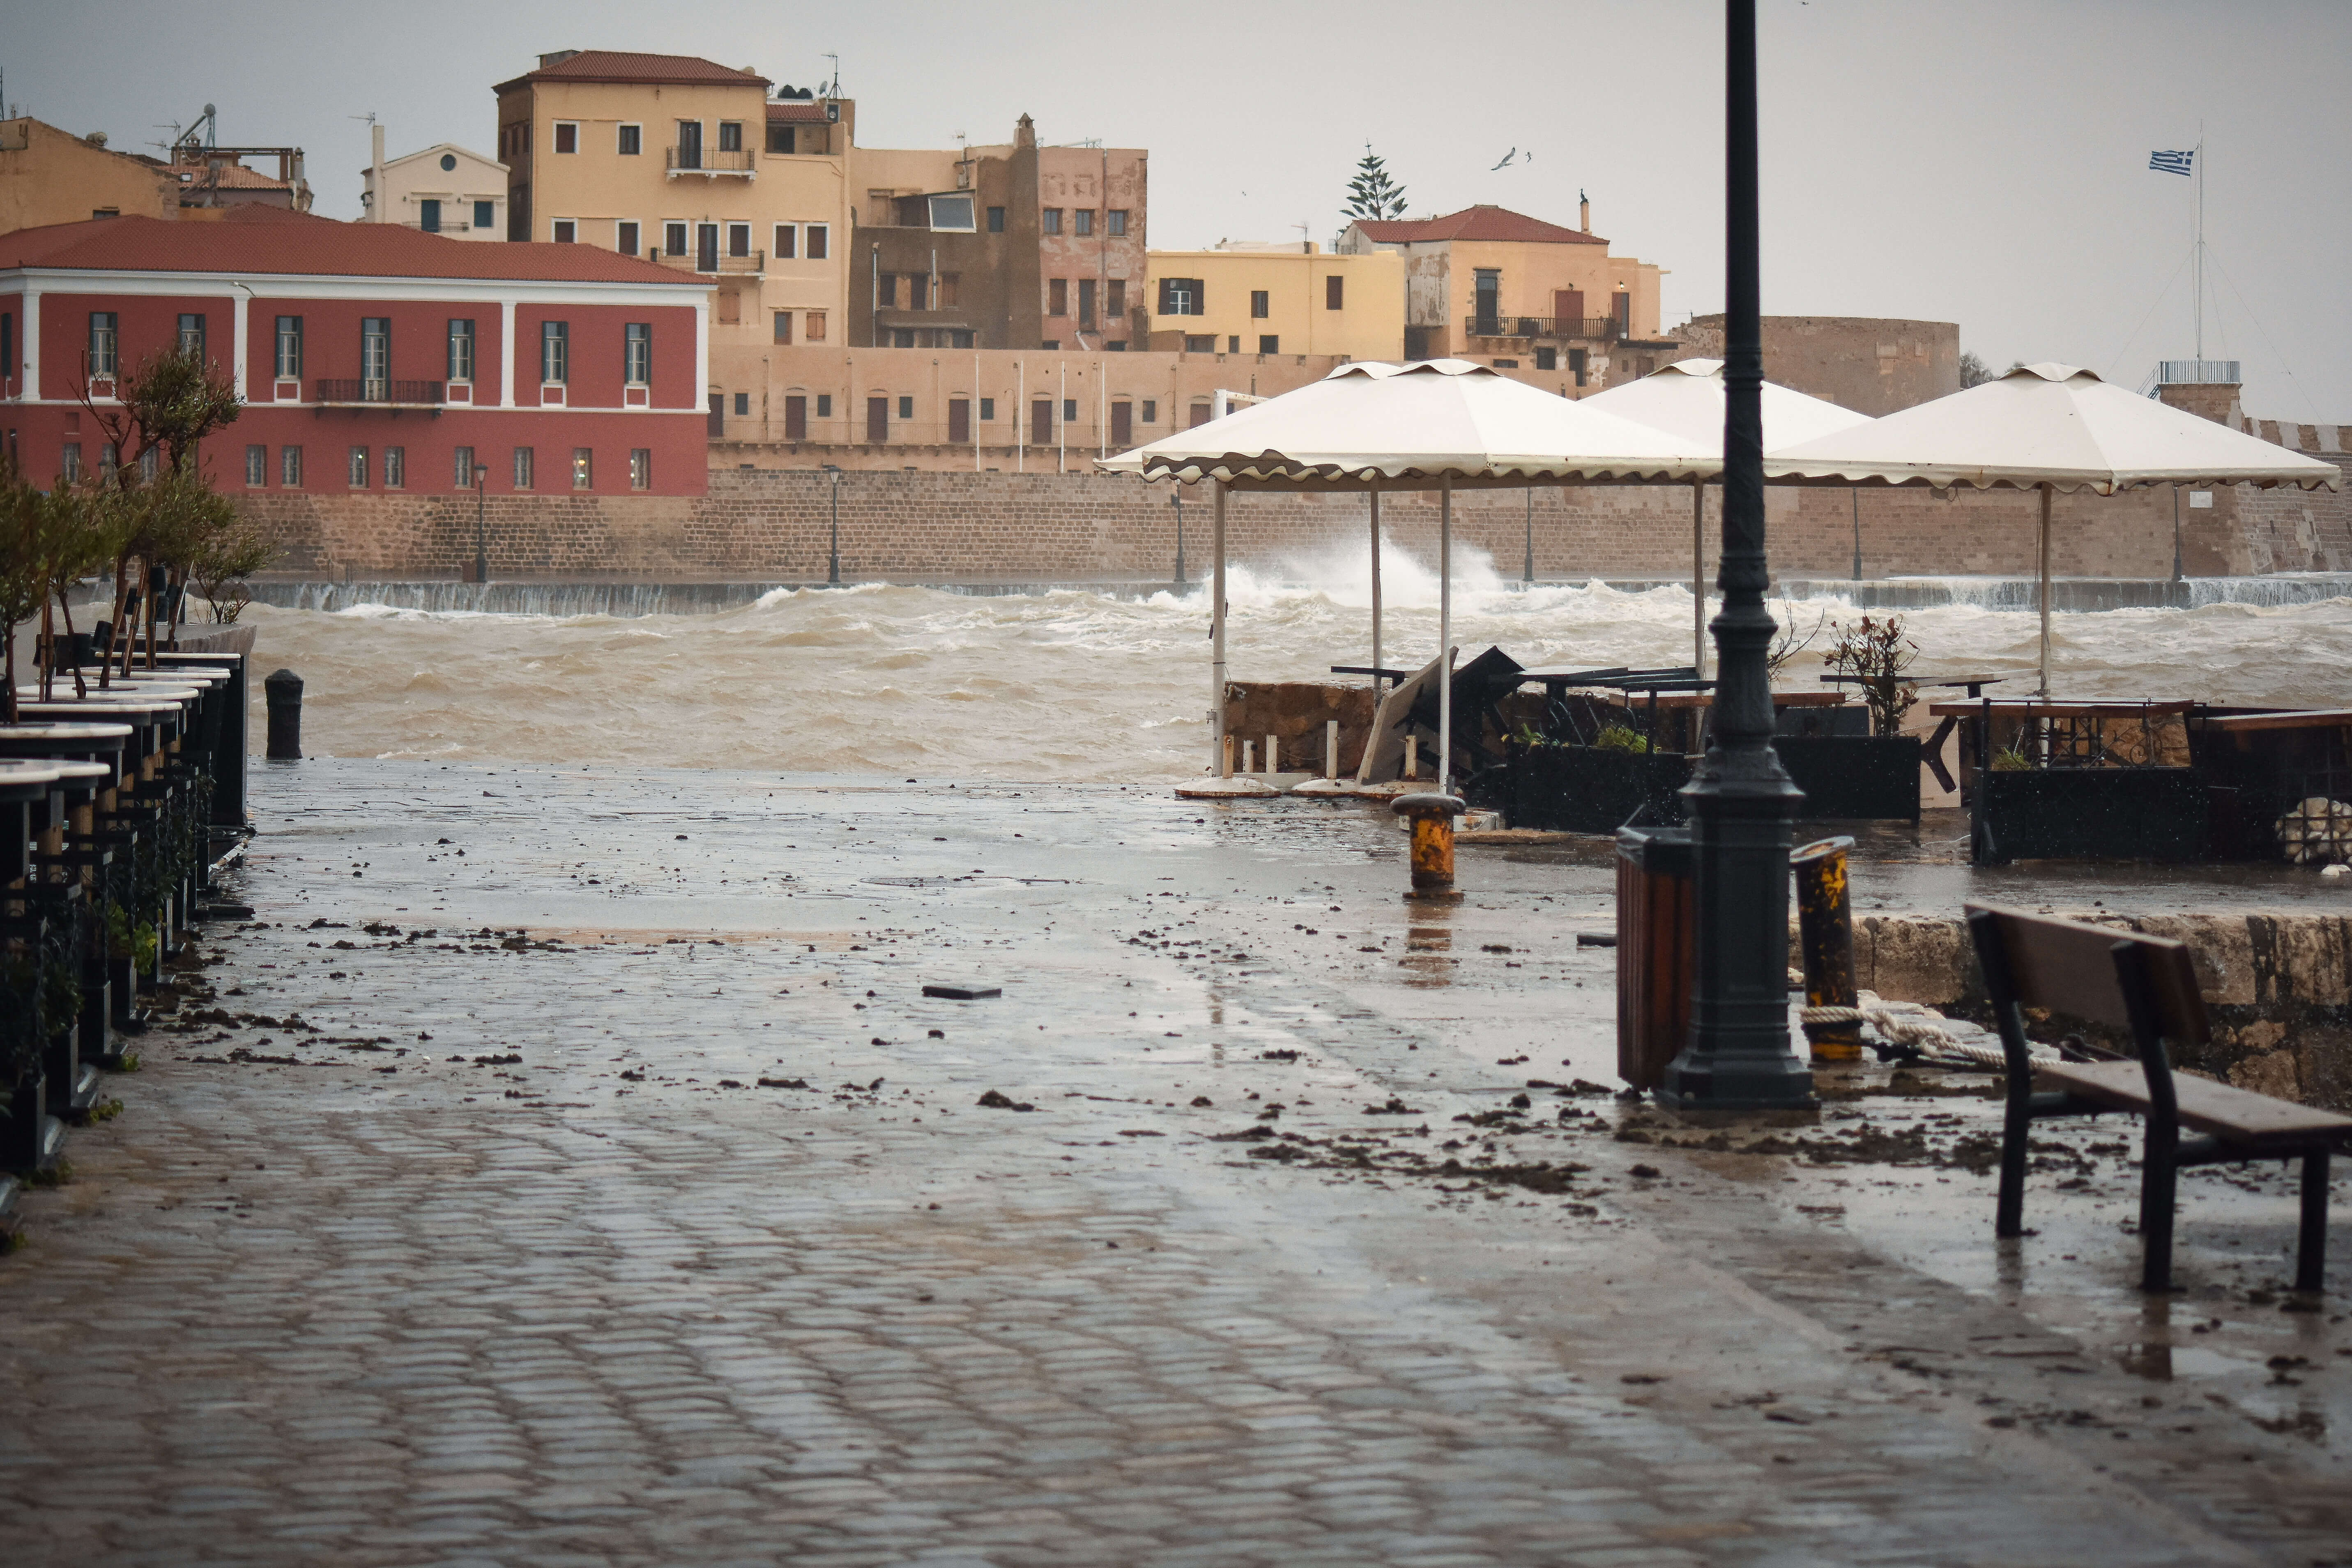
x,y
833,550
481,534
1176,500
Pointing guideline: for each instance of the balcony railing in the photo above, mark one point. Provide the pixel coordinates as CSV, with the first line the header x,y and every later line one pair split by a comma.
x,y
754,265
446,226
1590,329
710,161
380,394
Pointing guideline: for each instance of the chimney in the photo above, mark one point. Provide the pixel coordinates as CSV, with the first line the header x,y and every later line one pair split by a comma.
x,y
378,204
1025,133
1584,213
555,58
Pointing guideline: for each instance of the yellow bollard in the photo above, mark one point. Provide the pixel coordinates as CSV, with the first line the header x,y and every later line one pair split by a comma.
x,y
1825,938
1433,842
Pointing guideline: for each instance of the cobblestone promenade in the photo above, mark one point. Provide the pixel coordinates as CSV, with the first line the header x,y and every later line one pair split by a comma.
x,y
568,1169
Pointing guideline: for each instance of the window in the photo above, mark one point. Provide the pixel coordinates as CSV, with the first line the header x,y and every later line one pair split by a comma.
x,y
780,138
631,141
1258,305
824,405
637,353
902,337
1507,364
817,326
951,284
461,349
289,466
1057,296
961,338
1150,415
555,351
1200,344
906,409
674,239
582,467
886,290
395,467
987,409
787,237
641,467
1053,222
191,334
1200,415
289,348
996,220
462,467
817,236
102,348
625,239
784,326
105,212
742,405
359,467
522,469
375,358
730,136
486,214
1115,298
1547,359
1182,297
69,461
1234,343
1118,217
739,239
429,215
1335,292
148,463
689,144
566,231
1576,364
257,467
952,214
1086,301
448,163
1083,221
1069,409
1269,344
567,136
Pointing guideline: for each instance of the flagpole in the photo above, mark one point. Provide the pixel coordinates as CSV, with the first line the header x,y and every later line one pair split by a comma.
x,y
2199,270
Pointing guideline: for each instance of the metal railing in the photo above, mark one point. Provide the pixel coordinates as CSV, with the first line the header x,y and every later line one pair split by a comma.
x,y
710,161
421,393
2197,372
446,226
1591,328
688,261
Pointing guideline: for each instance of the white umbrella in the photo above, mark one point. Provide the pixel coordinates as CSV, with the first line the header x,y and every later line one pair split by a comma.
x,y
1686,400
1435,424
2048,427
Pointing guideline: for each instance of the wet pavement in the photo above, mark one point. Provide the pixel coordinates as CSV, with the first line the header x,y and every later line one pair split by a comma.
x,y
567,1167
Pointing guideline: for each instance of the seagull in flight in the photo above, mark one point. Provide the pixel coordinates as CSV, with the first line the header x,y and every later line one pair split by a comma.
x,y
1507,159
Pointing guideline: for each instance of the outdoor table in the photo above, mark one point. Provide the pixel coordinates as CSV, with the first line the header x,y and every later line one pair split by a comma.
x,y
23,786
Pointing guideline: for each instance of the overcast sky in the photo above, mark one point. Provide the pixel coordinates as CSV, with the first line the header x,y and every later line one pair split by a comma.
x,y
1985,164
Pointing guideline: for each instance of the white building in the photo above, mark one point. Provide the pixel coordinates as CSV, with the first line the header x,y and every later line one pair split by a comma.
x,y
441,190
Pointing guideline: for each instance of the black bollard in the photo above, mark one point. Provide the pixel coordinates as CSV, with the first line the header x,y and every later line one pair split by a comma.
x,y
283,691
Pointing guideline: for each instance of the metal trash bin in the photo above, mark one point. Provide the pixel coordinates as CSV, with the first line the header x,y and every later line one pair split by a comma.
x,y
1657,944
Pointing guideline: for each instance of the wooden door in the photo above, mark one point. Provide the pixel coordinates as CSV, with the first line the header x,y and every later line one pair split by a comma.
x,y
795,418
1122,426
717,423
1041,421
959,420
1568,310
877,419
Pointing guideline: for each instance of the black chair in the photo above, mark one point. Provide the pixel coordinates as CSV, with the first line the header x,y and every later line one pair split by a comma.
x,y
2145,986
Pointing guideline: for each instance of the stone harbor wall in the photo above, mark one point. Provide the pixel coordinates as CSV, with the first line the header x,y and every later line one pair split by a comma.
x,y
776,524
2278,988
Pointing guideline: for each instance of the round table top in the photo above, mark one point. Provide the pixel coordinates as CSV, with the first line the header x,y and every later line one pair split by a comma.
x,y
15,740
21,781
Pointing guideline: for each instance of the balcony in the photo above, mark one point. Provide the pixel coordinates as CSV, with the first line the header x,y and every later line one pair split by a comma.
x,y
754,265
1584,329
447,226
711,162
364,393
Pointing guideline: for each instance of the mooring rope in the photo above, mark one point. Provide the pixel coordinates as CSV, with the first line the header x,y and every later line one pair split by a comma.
x,y
1928,1038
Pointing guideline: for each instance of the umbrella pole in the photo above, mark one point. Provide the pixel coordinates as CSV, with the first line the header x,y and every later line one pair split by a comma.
x,y
2044,598
1376,592
1217,645
1698,578
1446,636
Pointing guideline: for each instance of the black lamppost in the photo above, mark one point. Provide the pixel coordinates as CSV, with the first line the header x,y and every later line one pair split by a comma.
x,y
1741,802
481,537
833,551
1177,501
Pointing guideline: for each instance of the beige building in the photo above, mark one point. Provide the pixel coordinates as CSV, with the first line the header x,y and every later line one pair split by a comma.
x,y
691,165
1243,298
48,175
1514,291
441,190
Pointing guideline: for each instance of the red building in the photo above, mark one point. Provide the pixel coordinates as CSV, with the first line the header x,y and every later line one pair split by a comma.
x,y
371,357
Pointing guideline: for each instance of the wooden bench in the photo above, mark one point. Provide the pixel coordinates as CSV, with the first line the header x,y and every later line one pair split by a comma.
x,y
2145,986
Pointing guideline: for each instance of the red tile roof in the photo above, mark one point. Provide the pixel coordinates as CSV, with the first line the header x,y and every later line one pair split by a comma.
x,y
1477,222
258,241
797,113
614,65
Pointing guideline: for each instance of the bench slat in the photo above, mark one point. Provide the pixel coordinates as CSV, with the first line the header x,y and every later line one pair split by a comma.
x,y
2237,1115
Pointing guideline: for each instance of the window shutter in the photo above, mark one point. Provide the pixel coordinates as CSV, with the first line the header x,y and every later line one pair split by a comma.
x,y
1200,297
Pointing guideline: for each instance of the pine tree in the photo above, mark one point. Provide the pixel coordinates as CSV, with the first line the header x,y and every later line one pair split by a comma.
x,y
1371,194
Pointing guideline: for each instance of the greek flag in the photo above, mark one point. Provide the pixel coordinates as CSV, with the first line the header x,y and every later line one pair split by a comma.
x,y
2171,162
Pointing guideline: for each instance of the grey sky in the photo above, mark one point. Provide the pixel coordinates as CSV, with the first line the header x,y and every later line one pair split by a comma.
x,y
1984,163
